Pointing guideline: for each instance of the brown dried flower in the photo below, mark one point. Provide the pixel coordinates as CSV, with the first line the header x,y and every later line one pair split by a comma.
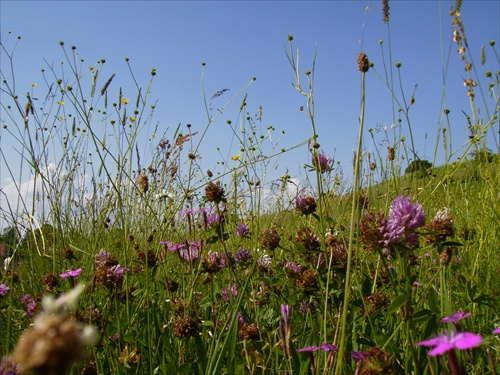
x,y
52,345
269,239
185,327
363,63
250,332
143,182
214,192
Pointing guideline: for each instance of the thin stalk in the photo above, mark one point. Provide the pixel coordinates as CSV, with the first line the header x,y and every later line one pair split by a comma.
x,y
354,210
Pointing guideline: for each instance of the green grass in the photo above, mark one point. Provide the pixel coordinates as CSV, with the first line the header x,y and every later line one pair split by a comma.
x,y
217,313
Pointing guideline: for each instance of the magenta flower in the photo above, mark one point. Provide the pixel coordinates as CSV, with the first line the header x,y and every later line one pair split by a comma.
x,y
403,221
455,318
115,275
322,162
4,290
226,293
325,347
358,356
71,273
242,230
243,256
455,340
496,331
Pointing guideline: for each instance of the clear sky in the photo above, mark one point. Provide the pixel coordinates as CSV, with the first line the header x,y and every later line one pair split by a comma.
x,y
239,40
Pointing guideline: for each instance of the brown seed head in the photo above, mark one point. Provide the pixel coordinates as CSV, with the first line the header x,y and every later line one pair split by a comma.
x,y
214,192
363,63
143,182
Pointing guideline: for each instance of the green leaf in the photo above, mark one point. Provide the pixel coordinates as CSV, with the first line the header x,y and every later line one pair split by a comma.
x,y
433,301
397,303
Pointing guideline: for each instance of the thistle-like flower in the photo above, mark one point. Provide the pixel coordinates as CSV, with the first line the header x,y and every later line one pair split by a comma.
x,y
305,204
403,221
322,162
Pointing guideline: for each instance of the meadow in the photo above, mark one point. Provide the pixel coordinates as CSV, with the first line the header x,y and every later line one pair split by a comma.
x,y
128,263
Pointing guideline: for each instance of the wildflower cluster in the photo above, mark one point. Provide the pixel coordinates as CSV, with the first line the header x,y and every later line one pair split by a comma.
x,y
107,270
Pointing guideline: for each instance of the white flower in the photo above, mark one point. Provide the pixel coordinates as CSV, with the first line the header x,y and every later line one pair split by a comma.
x,y
6,263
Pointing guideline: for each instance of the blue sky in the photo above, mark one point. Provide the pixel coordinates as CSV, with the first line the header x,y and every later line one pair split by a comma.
x,y
239,40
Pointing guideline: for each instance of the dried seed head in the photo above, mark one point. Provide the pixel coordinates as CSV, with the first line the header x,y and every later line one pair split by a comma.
x,y
385,10
363,63
269,239
391,154
52,345
143,182
185,327
214,192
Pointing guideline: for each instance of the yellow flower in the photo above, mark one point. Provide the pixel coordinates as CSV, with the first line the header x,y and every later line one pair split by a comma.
x,y
34,84
60,103
133,119
236,157
124,101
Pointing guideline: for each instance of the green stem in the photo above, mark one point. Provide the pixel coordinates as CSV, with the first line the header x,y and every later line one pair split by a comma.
x,y
354,210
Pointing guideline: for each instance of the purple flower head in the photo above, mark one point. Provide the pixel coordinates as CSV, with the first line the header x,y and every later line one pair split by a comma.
x,y
191,252
71,273
292,269
358,356
115,275
496,331
243,256
4,291
403,221
102,257
455,318
226,293
325,347
241,321
8,367
264,262
226,259
322,162
305,204
446,342
29,304
242,230
308,349
285,312
305,307
196,211
212,219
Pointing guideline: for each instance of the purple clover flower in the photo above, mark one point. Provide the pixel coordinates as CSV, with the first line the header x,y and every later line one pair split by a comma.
x,y
102,257
226,293
305,204
4,291
242,230
444,343
305,307
226,259
322,162
496,331
358,356
115,275
29,304
71,273
403,221
212,219
243,256
8,367
292,269
264,262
